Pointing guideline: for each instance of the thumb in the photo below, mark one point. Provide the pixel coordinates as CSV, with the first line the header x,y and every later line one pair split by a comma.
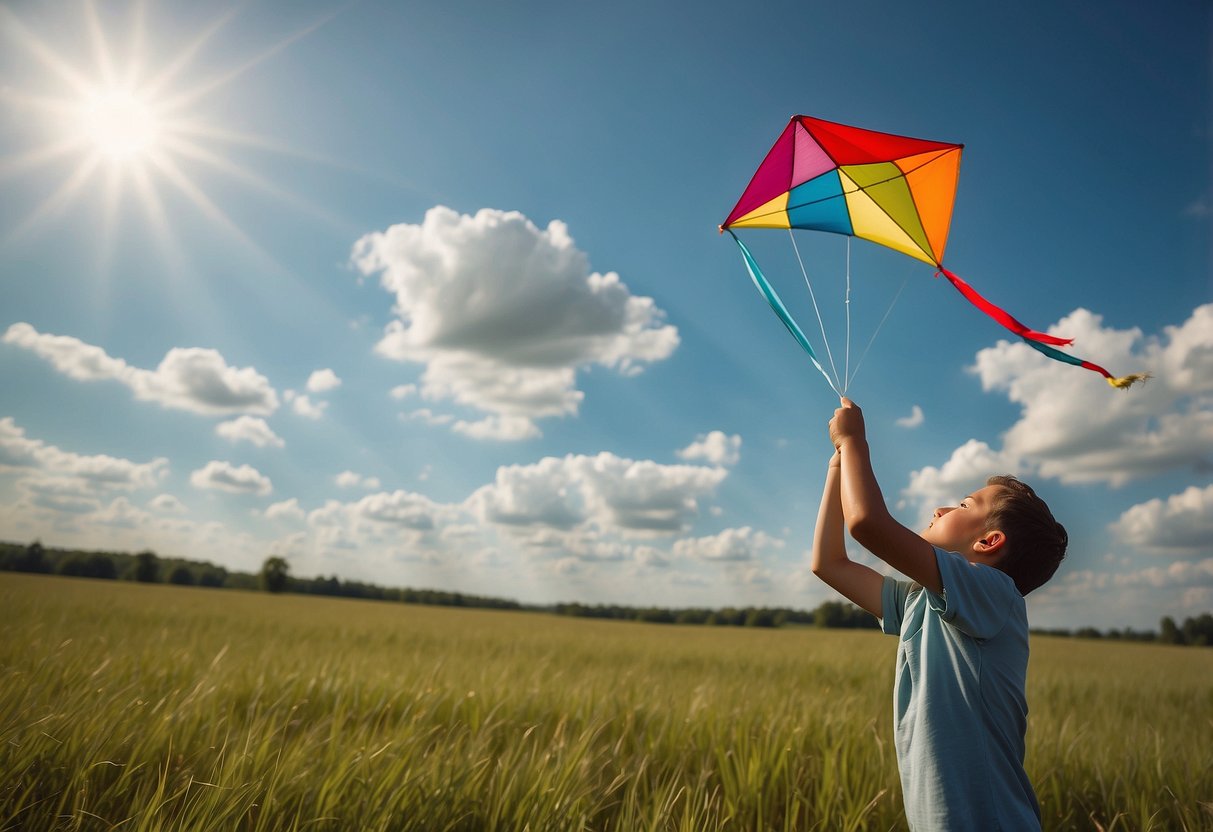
x,y
845,402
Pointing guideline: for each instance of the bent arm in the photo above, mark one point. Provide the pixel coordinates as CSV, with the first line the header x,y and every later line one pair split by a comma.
x,y
874,528
854,581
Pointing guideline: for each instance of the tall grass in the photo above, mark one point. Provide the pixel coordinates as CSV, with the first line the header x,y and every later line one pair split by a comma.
x,y
153,708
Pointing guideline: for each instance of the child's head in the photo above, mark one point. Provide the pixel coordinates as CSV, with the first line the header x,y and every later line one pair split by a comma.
x,y
1035,542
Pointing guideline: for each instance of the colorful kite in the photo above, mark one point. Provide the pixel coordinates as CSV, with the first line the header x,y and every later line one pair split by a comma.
x,y
892,190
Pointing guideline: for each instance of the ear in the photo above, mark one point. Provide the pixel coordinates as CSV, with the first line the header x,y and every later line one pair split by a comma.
x,y
991,543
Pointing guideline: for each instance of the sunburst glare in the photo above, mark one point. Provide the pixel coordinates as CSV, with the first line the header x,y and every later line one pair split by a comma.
x,y
120,124
124,125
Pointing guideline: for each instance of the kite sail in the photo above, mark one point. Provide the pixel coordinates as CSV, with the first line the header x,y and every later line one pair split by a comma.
x,y
892,190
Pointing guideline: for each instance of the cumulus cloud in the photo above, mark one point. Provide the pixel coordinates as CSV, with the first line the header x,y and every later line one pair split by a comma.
x,y
1074,428
503,313
741,544
380,522
350,479
402,391
498,428
715,447
308,409
614,493
964,472
249,429
285,510
1180,525
224,476
322,381
914,420
166,504
18,451
193,379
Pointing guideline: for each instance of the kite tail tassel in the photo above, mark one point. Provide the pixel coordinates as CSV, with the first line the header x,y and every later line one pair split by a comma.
x,y
1001,315
1120,383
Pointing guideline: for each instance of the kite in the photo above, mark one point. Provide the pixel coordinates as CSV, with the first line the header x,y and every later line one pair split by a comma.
x,y
892,190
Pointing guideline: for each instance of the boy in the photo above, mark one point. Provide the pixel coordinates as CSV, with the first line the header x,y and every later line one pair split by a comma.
x,y
959,707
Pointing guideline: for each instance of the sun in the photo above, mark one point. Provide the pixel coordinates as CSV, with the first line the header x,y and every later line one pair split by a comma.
x,y
120,124
119,121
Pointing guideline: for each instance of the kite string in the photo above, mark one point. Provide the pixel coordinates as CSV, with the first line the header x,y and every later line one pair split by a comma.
x,y
872,340
846,376
820,323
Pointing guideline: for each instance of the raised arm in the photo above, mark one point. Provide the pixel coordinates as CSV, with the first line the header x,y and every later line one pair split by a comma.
x,y
829,561
864,510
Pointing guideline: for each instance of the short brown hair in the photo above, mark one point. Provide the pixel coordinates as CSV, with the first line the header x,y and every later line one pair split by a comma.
x,y
1036,542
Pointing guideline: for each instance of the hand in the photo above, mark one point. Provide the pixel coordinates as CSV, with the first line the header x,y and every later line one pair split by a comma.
x,y
835,460
847,424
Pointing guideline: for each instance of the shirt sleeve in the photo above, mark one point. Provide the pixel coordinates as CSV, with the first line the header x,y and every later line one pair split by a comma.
x,y
892,605
976,598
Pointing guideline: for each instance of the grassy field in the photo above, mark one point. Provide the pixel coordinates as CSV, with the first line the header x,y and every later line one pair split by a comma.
x,y
142,707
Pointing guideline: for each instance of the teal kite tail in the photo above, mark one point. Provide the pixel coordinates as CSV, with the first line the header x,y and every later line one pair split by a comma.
x,y
768,291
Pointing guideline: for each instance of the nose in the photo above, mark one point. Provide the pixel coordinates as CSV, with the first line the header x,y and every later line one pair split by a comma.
x,y
941,511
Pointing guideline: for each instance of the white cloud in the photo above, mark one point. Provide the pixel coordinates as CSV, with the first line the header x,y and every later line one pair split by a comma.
x,y
350,479
498,428
121,514
285,510
17,451
715,447
741,544
503,314
322,381
193,379
223,476
402,508
429,417
622,495
915,419
1185,574
403,391
167,504
308,409
1075,428
249,429
964,472
1182,524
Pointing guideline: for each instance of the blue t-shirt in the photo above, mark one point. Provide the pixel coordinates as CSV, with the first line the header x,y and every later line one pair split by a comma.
x,y
959,709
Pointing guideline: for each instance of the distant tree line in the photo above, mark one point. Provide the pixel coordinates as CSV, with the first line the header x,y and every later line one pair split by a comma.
x,y
148,567
275,577
830,614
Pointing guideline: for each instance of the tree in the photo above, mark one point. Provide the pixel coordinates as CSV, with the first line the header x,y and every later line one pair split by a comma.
x,y
181,576
1168,633
101,566
212,576
275,575
81,565
147,567
1198,631
33,559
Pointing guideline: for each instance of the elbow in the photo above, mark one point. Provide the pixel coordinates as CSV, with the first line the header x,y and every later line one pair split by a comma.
x,y
865,528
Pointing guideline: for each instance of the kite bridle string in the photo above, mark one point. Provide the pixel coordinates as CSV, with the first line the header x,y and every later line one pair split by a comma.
x,y
872,340
820,323
846,375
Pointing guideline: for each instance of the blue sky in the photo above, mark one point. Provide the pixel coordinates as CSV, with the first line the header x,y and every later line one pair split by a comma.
x,y
432,294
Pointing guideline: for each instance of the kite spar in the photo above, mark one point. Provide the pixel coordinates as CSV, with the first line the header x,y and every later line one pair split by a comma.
x,y
892,190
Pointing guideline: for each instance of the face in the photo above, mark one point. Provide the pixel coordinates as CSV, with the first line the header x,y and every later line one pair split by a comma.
x,y
962,528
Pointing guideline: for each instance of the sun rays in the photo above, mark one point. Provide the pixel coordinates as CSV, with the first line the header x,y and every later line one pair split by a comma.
x,y
110,122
